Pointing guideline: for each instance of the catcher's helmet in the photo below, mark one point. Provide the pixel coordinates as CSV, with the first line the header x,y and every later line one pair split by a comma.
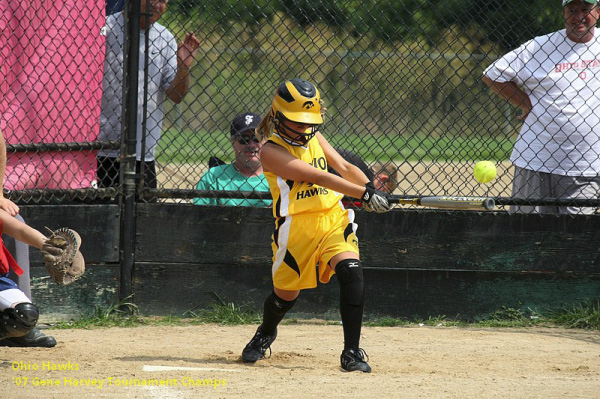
x,y
297,100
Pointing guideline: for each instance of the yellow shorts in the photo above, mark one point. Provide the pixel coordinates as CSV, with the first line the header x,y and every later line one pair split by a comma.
x,y
301,243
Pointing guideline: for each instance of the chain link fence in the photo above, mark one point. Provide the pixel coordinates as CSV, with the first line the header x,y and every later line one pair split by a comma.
x,y
401,81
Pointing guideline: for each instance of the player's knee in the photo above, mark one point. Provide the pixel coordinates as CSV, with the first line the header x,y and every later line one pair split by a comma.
x,y
18,321
350,276
278,306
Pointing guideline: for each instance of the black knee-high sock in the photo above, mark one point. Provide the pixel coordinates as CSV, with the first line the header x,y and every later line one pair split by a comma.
x,y
274,310
350,277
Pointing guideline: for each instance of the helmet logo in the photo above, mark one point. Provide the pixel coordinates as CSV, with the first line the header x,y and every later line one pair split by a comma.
x,y
308,105
249,119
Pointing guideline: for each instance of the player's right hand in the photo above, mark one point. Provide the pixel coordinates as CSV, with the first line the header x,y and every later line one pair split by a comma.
x,y
374,200
9,206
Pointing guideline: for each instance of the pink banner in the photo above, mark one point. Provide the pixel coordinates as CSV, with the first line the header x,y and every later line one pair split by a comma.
x,y
51,86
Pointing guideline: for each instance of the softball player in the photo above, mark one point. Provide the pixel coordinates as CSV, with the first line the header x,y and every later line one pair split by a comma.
x,y
18,316
315,236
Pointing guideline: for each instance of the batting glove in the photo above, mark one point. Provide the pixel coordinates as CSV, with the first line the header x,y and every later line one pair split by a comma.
x,y
374,200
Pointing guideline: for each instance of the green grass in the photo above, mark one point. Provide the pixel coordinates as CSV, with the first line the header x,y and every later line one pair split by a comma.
x,y
387,322
123,314
503,317
582,316
510,317
585,316
197,147
126,314
226,313
193,147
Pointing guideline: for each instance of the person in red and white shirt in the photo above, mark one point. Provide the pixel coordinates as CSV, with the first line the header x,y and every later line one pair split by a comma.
x,y
555,80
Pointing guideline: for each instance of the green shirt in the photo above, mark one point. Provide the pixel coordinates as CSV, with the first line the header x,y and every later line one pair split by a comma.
x,y
226,178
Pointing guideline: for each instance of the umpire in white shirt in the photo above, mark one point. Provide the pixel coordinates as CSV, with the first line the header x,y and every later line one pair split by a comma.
x,y
168,76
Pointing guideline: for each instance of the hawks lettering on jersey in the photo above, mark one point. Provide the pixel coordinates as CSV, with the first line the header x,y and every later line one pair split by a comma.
x,y
316,190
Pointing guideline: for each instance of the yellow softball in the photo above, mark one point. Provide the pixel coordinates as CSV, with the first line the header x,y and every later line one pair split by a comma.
x,y
484,172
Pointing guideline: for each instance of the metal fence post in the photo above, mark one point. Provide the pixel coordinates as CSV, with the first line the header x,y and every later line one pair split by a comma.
x,y
128,151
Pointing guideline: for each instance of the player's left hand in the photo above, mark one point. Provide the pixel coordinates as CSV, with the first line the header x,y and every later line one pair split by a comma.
x,y
374,200
62,258
187,50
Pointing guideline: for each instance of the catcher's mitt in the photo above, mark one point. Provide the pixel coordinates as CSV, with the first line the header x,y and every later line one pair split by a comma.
x,y
62,258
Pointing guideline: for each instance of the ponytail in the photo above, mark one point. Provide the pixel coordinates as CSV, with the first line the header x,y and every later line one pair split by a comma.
x,y
265,128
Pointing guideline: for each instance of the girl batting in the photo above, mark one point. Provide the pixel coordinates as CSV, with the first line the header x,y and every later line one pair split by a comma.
x,y
314,233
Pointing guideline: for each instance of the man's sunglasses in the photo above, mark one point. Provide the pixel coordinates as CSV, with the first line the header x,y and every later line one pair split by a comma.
x,y
245,140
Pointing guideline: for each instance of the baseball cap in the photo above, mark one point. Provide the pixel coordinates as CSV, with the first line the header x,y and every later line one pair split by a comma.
x,y
244,122
565,2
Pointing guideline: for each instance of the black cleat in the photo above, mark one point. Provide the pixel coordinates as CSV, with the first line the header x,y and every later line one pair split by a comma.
x,y
258,345
353,359
33,339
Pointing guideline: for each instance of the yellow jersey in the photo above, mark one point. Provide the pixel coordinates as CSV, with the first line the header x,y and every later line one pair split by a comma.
x,y
296,197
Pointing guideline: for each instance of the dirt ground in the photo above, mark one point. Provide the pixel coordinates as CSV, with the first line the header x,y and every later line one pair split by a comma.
x,y
407,362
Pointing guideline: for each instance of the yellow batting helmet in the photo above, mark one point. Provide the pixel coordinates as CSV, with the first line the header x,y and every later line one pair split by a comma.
x,y
299,101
